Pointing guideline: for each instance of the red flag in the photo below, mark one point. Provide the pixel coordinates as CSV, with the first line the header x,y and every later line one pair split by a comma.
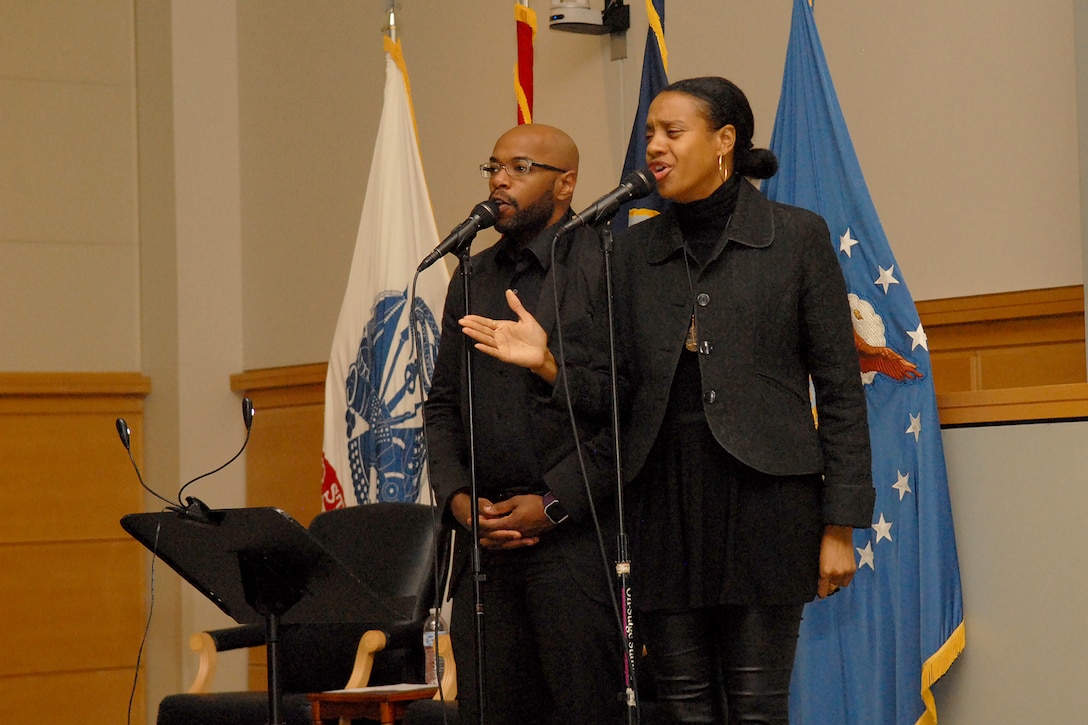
x,y
523,70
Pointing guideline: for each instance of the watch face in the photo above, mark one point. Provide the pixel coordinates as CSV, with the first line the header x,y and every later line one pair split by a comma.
x,y
555,512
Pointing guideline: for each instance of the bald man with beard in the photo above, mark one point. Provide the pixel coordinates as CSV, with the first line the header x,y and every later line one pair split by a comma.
x,y
552,641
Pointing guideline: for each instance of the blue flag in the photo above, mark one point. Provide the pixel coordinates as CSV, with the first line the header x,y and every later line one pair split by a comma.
x,y
870,653
655,63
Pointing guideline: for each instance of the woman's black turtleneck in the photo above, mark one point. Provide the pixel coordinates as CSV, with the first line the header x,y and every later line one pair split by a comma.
x,y
702,223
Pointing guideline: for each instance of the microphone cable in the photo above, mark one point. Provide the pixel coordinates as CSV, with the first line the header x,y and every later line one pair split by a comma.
x,y
147,624
602,547
415,333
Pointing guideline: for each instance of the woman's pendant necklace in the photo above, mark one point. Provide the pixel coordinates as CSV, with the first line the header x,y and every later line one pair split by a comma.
x,y
691,341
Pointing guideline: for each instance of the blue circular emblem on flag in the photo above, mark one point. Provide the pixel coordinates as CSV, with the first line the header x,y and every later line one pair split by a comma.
x,y
384,421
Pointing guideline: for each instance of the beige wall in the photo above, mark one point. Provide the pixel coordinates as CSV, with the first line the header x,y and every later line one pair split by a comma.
x,y
209,272
180,183
69,256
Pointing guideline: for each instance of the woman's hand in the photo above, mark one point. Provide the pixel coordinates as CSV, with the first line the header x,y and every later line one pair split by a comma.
x,y
523,343
837,564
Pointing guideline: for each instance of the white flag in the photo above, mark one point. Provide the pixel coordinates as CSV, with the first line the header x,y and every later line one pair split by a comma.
x,y
374,447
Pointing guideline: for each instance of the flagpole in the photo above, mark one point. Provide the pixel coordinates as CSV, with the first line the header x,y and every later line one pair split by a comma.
x,y
392,24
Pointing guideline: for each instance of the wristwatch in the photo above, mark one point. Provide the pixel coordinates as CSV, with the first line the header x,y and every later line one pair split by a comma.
x,y
554,510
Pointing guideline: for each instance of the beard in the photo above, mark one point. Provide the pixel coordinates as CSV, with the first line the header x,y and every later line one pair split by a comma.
x,y
527,221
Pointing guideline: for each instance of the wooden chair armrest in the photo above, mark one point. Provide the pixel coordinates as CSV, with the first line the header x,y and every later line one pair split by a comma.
x,y
372,641
208,644
203,644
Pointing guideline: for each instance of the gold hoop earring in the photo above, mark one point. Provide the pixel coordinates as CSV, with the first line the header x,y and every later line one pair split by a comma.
x,y
722,173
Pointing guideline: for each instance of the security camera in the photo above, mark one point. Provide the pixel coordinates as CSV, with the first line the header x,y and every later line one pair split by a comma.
x,y
575,16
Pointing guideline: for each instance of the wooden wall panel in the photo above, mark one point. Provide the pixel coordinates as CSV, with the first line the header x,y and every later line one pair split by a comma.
x,y
72,698
72,581
77,606
68,467
1012,340
1042,403
283,463
1029,366
953,371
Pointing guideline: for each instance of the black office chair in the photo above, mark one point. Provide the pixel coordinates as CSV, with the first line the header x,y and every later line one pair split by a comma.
x,y
391,548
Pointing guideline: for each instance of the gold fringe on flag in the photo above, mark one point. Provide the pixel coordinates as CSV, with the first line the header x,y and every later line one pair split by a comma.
x,y
659,33
935,668
392,47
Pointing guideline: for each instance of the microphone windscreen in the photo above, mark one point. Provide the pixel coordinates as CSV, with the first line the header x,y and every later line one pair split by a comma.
x,y
641,181
487,212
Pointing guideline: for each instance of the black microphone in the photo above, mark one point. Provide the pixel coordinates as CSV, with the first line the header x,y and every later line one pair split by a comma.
x,y
483,215
637,184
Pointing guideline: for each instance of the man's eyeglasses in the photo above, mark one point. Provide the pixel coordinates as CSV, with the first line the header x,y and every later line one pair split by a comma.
x,y
517,167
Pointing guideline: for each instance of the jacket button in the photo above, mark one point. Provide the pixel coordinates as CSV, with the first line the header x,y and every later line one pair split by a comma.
x,y
703,299
710,396
705,348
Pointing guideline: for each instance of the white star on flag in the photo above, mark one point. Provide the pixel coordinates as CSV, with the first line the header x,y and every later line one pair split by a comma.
x,y
847,242
886,278
915,426
901,484
918,338
866,555
883,529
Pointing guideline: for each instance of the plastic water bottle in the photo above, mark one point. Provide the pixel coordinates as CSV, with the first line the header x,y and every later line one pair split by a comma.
x,y
435,666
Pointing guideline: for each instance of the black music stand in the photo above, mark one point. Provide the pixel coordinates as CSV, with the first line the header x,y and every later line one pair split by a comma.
x,y
259,563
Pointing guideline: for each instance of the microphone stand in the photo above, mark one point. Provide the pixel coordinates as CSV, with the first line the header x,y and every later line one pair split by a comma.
x,y
623,559
478,576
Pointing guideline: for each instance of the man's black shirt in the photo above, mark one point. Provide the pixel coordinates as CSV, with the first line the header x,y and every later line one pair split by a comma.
x,y
524,442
